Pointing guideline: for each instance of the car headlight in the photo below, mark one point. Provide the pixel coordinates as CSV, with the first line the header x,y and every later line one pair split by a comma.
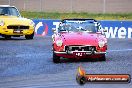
x,y
101,43
59,42
2,23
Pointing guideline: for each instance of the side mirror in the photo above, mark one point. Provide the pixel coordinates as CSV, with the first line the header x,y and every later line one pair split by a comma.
x,y
53,29
104,30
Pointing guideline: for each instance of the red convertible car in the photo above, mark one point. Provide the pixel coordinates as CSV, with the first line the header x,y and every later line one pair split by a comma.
x,y
79,38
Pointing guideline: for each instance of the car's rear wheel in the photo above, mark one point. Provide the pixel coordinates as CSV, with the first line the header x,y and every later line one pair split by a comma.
x,y
56,59
7,36
29,36
102,58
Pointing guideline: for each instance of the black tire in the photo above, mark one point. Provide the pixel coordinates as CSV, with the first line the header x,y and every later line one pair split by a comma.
x,y
102,58
56,59
7,36
81,80
29,36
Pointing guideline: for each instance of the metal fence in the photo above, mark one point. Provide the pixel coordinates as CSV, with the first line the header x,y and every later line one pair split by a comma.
x,y
91,6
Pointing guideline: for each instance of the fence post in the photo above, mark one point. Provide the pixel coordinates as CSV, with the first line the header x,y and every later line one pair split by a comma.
x,y
9,2
24,7
40,5
104,6
71,5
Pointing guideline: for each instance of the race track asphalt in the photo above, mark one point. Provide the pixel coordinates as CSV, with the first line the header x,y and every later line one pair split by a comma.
x,y
28,64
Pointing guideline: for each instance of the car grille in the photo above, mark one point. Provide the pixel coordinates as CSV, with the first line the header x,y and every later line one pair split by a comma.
x,y
17,27
80,48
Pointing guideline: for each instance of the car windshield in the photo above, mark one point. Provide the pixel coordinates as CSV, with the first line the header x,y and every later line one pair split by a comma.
x,y
9,11
78,27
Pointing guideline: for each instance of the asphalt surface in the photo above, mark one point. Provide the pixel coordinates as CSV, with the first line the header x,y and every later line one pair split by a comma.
x,y
28,64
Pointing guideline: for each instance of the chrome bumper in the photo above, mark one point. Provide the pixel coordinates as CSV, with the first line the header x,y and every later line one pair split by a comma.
x,y
86,52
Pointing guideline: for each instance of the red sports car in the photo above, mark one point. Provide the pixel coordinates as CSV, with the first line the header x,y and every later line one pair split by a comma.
x,y
79,38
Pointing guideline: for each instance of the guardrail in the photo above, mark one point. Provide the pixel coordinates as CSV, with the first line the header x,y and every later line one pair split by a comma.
x,y
91,6
115,29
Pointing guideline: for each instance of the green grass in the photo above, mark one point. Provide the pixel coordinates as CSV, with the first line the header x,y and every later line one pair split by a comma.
x,y
56,15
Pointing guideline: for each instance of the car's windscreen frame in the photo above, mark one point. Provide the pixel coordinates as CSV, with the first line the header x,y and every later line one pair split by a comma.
x,y
9,11
77,26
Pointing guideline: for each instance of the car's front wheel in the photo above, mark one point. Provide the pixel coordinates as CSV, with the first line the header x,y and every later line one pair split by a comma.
x,y
102,58
29,36
7,36
56,59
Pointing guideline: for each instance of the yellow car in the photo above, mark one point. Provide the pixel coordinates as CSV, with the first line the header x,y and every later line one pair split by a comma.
x,y
12,24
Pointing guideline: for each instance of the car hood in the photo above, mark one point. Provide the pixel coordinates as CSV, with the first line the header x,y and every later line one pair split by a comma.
x,y
80,38
12,20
